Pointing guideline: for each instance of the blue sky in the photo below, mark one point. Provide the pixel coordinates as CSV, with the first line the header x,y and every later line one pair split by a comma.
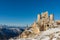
x,y
23,12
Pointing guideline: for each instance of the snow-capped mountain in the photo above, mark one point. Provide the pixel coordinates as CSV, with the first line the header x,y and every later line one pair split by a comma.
x,y
7,32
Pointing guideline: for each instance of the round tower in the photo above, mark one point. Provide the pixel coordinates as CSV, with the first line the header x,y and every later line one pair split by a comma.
x,y
51,20
38,18
51,17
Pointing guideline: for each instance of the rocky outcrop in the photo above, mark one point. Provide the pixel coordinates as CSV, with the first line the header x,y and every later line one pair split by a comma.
x,y
42,24
31,31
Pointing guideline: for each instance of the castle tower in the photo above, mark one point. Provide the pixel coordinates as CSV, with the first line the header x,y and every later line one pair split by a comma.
x,y
44,20
51,17
46,14
51,20
38,18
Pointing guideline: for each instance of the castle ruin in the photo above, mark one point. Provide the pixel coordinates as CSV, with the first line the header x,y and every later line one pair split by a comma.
x,y
44,22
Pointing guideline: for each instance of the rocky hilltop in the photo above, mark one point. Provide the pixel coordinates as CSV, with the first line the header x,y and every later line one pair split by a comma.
x,y
45,24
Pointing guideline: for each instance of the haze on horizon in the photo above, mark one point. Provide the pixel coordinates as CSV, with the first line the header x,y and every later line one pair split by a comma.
x,y
23,12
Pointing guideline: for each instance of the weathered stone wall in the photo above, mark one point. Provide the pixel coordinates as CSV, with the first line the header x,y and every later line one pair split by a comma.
x,y
44,21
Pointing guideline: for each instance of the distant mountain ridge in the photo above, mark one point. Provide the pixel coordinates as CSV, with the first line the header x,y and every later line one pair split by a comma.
x,y
7,32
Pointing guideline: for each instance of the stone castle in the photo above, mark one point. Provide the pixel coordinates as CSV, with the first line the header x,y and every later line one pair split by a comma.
x,y
43,23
